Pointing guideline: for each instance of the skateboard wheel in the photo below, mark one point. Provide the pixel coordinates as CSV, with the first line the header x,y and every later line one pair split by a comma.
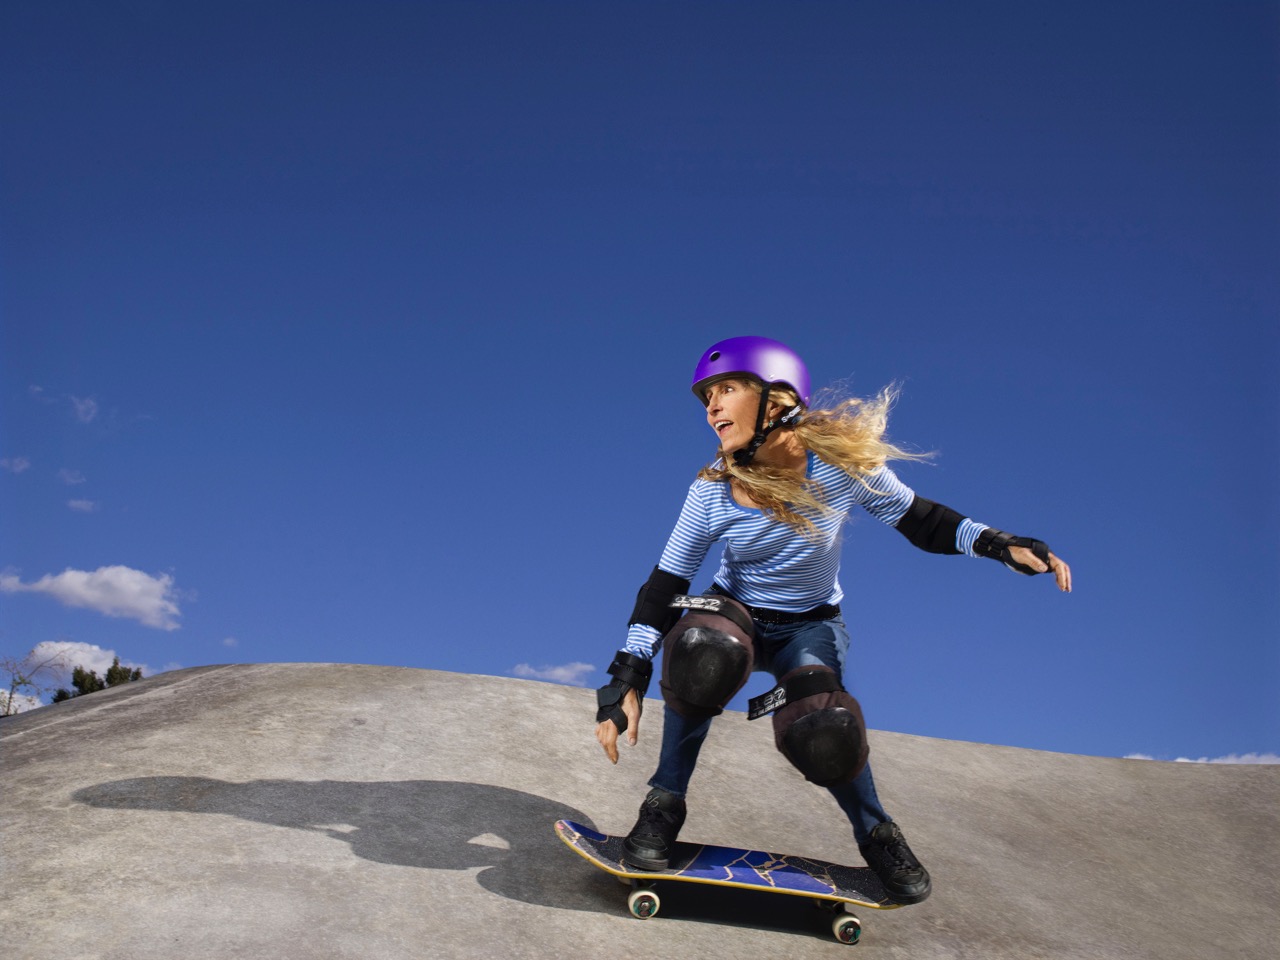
x,y
643,904
847,928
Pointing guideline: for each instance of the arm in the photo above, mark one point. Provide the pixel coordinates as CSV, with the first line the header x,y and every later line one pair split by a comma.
x,y
928,525
630,671
620,702
679,563
939,529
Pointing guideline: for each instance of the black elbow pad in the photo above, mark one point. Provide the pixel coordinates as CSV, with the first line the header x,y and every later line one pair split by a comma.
x,y
653,601
930,526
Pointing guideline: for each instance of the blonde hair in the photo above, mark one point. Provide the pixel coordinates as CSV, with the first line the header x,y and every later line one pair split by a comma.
x,y
846,433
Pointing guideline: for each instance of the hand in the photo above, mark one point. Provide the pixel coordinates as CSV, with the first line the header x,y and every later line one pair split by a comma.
x,y
1061,571
607,730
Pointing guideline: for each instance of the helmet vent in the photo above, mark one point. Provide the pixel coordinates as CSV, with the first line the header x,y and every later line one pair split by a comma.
x,y
714,357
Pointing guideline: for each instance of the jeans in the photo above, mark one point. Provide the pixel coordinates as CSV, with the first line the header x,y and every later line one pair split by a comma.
x,y
780,648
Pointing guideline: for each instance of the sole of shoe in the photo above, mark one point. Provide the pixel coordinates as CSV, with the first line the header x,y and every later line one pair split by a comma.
x,y
644,863
907,899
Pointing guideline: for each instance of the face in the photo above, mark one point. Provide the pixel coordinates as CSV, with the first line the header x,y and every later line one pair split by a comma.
x,y
731,411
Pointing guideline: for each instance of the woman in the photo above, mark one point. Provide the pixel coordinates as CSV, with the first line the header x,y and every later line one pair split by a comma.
x,y
783,484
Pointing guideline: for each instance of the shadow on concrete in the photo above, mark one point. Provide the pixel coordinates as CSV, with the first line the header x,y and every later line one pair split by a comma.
x,y
428,824
446,825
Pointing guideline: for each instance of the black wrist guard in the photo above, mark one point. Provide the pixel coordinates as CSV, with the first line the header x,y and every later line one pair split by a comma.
x,y
995,544
629,672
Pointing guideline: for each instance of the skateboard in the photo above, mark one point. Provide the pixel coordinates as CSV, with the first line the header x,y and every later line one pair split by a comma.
x,y
830,885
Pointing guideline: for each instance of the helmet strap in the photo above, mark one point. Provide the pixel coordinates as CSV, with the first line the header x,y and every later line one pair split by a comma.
x,y
747,454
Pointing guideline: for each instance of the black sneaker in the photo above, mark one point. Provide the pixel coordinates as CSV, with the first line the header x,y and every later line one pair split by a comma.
x,y
649,844
889,856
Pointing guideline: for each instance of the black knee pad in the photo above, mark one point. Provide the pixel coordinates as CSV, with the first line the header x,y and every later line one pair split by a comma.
x,y
706,659
823,734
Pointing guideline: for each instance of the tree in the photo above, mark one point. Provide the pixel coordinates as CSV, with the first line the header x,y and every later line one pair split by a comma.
x,y
88,681
28,679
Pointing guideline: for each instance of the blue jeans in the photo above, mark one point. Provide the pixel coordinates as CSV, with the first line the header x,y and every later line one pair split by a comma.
x,y
780,648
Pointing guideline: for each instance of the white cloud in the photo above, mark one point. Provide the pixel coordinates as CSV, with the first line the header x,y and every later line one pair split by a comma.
x,y
83,506
574,674
113,591
90,656
230,642
1236,758
15,464
1229,758
20,702
86,408
70,477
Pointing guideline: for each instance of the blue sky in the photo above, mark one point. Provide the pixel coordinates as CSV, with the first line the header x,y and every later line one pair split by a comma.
x,y
362,332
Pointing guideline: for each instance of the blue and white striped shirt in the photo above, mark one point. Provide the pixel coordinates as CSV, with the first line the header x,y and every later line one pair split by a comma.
x,y
767,563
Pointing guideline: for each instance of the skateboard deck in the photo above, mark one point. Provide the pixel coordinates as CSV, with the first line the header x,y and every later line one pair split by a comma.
x,y
831,884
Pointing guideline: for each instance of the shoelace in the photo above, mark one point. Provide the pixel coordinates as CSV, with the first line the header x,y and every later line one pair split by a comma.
x,y
653,817
896,850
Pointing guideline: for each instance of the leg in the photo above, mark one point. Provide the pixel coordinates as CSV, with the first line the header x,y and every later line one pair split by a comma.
x,y
820,729
861,805
790,646
706,658
879,839
649,844
682,740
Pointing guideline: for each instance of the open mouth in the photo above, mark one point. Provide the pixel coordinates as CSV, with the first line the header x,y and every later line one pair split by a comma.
x,y
722,425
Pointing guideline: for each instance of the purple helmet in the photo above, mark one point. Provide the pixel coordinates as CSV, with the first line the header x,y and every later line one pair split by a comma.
x,y
766,359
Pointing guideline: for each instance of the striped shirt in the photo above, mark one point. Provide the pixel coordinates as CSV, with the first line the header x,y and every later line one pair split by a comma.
x,y
767,563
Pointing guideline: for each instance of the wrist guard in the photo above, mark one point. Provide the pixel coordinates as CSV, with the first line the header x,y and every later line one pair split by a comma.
x,y
629,672
995,544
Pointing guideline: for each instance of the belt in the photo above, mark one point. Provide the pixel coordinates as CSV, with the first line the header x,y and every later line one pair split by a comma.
x,y
828,611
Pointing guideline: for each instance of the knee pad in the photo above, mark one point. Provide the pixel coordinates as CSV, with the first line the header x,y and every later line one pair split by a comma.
x,y
821,731
706,659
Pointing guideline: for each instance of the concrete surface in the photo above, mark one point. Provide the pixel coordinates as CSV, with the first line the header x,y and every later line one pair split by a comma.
x,y
333,811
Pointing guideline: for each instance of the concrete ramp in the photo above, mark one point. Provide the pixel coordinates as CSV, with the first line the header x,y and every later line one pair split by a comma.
x,y
333,811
